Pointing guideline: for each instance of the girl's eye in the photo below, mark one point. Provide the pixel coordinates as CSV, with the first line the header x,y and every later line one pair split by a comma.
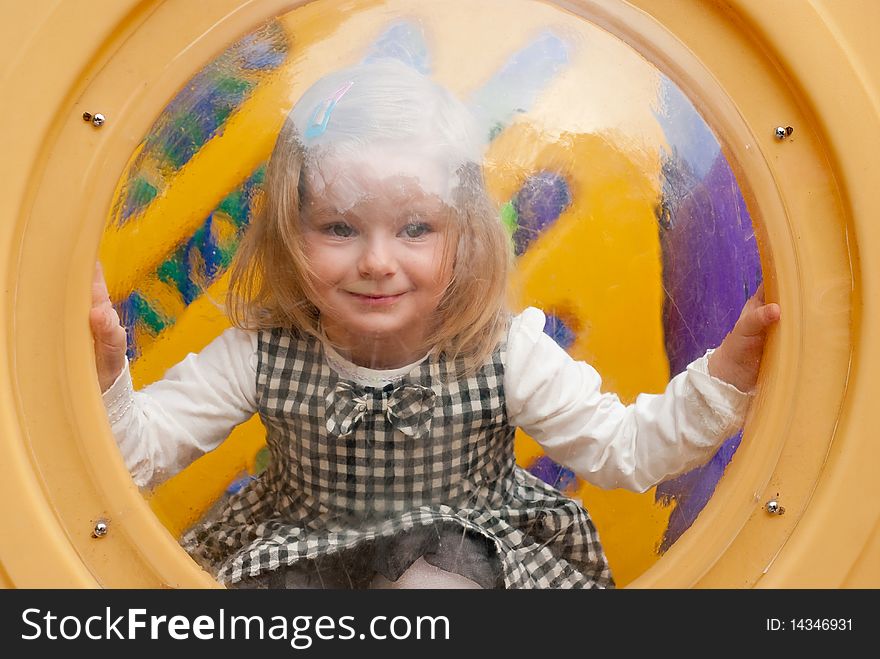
x,y
416,229
339,230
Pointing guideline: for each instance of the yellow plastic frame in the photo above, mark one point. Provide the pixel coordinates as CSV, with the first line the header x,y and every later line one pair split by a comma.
x,y
748,69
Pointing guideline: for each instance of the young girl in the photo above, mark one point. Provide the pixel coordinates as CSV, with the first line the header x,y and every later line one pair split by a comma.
x,y
371,335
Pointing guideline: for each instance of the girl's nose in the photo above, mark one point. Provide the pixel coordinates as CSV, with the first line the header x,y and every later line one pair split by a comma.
x,y
377,260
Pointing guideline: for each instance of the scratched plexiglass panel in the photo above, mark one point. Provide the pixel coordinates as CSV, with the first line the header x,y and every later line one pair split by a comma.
x,y
629,227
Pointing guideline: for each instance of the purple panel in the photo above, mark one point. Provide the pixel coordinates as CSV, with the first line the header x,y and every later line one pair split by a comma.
x,y
710,268
538,204
553,474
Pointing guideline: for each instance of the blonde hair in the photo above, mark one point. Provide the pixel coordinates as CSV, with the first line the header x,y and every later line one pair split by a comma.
x,y
271,279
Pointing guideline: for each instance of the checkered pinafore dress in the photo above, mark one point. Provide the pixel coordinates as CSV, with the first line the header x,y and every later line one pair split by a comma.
x,y
354,465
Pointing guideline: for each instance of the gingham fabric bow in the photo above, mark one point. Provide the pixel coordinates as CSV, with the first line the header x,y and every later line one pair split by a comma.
x,y
409,407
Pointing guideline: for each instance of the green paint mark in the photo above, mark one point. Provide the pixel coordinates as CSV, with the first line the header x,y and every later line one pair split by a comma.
x,y
148,316
261,461
226,255
141,192
509,217
233,87
199,236
186,138
221,115
495,131
173,272
232,206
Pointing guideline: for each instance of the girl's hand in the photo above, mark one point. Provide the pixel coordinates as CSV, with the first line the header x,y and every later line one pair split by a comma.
x,y
737,359
109,335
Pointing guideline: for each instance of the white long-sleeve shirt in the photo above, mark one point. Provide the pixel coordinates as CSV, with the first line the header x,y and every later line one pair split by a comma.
x,y
555,399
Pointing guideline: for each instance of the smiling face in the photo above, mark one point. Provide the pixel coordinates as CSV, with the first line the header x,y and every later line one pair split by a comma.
x,y
376,246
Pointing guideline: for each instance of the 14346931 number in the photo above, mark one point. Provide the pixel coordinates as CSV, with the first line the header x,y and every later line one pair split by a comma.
x,y
821,624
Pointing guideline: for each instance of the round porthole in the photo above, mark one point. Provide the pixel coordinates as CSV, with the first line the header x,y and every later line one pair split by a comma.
x,y
695,78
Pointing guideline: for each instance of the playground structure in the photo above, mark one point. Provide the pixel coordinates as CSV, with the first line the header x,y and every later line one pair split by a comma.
x,y
747,71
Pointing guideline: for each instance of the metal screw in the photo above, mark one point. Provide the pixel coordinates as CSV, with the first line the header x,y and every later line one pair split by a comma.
x,y
782,132
774,508
96,119
101,529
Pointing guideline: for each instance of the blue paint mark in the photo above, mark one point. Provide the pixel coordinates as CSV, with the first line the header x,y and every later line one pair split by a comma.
x,y
690,136
403,41
552,473
208,106
256,52
128,319
135,311
195,265
516,86
557,330
538,204
206,246
236,485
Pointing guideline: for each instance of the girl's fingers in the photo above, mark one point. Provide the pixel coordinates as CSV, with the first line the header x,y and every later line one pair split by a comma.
x,y
99,321
106,328
755,321
99,286
103,318
756,300
757,316
759,293
109,335
770,313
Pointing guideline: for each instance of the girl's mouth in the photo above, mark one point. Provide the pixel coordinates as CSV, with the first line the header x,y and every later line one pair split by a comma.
x,y
376,300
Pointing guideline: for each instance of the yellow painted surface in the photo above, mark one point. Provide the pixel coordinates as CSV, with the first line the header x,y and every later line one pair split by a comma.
x,y
182,500
599,268
813,197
